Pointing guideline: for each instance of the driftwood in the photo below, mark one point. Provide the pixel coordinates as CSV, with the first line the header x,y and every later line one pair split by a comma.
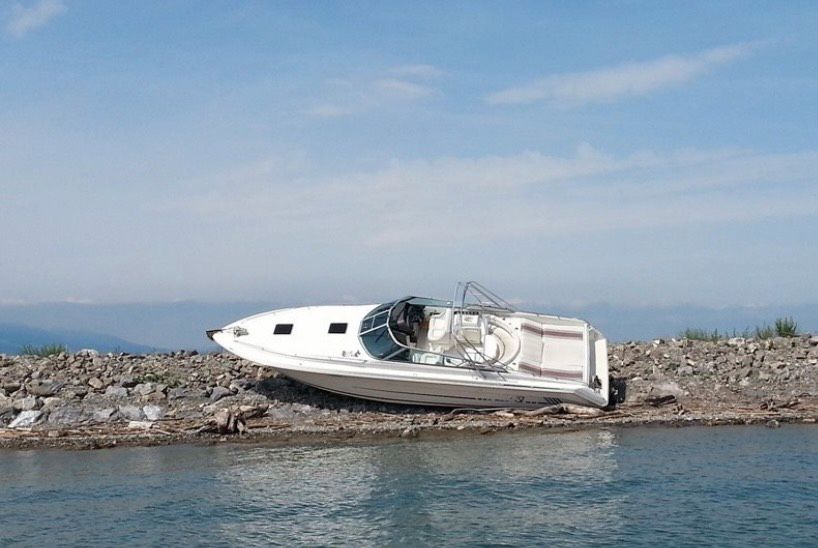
x,y
660,400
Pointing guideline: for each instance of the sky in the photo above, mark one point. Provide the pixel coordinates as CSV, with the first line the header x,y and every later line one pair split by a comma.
x,y
632,153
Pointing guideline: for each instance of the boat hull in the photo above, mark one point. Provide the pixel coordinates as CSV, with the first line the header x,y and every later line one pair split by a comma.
x,y
432,394
414,384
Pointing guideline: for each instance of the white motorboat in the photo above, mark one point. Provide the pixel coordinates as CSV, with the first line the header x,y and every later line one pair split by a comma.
x,y
474,351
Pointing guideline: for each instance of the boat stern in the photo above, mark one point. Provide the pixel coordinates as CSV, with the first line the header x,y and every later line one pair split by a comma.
x,y
600,380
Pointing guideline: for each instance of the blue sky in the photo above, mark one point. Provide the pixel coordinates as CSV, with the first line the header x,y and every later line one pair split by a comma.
x,y
637,153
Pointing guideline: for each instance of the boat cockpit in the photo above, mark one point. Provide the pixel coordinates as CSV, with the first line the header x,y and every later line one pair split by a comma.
x,y
436,332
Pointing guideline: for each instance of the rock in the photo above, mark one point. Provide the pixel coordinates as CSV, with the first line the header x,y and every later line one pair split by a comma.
x,y
773,424
50,403
95,383
116,392
668,388
10,386
143,389
43,388
6,412
219,392
67,414
88,353
127,382
26,419
131,412
153,412
280,413
252,411
104,415
178,393
74,392
410,432
222,420
685,370
27,404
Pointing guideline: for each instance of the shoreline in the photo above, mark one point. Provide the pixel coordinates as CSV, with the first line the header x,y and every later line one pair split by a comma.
x,y
89,401
260,434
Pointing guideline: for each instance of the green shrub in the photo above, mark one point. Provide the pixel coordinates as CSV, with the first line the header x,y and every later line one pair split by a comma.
x,y
44,350
764,332
701,334
786,327
783,327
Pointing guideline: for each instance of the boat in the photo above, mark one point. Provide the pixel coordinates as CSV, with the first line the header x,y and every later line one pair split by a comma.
x,y
474,351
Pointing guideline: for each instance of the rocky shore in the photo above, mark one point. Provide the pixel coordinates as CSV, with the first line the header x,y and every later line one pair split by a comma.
x,y
88,400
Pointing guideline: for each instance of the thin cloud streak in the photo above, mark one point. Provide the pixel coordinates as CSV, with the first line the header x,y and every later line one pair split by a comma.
x,y
404,89
417,71
410,203
25,20
627,80
400,87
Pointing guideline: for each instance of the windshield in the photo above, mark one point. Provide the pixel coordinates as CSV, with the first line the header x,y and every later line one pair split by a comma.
x,y
390,331
376,338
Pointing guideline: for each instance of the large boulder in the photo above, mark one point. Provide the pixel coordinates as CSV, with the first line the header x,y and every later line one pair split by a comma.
x,y
131,412
26,419
153,412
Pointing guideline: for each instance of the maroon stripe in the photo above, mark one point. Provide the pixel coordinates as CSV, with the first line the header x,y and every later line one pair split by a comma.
x,y
538,331
532,328
564,334
530,368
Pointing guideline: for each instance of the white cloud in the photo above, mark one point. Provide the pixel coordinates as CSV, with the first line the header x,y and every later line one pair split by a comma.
x,y
348,97
26,19
403,89
626,80
417,71
450,200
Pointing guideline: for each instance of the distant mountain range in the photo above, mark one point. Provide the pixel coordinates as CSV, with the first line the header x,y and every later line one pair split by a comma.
x,y
14,337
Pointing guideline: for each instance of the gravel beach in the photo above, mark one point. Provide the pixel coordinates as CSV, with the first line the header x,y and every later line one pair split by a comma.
x,y
87,400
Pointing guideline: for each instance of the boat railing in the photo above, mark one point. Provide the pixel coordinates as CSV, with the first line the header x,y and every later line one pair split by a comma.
x,y
473,299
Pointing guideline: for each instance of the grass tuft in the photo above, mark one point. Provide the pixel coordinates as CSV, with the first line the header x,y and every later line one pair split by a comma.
x,y
44,350
701,334
783,327
786,327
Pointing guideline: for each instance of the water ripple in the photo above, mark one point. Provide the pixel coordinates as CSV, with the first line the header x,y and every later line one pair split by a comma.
x,y
721,486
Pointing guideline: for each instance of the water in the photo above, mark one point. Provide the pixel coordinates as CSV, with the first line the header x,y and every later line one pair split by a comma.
x,y
720,486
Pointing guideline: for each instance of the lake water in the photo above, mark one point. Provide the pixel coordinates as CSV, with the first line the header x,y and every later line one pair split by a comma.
x,y
643,486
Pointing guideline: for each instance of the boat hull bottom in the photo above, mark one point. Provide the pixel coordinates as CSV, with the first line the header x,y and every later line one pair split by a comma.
x,y
431,394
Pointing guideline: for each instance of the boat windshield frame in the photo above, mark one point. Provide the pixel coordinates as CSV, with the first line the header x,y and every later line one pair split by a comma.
x,y
470,297
377,322
380,323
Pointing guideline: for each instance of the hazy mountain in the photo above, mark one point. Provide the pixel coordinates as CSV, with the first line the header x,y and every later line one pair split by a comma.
x,y
182,325
13,337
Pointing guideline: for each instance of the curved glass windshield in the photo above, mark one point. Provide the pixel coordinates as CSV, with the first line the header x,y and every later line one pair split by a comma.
x,y
376,337
390,331
380,344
